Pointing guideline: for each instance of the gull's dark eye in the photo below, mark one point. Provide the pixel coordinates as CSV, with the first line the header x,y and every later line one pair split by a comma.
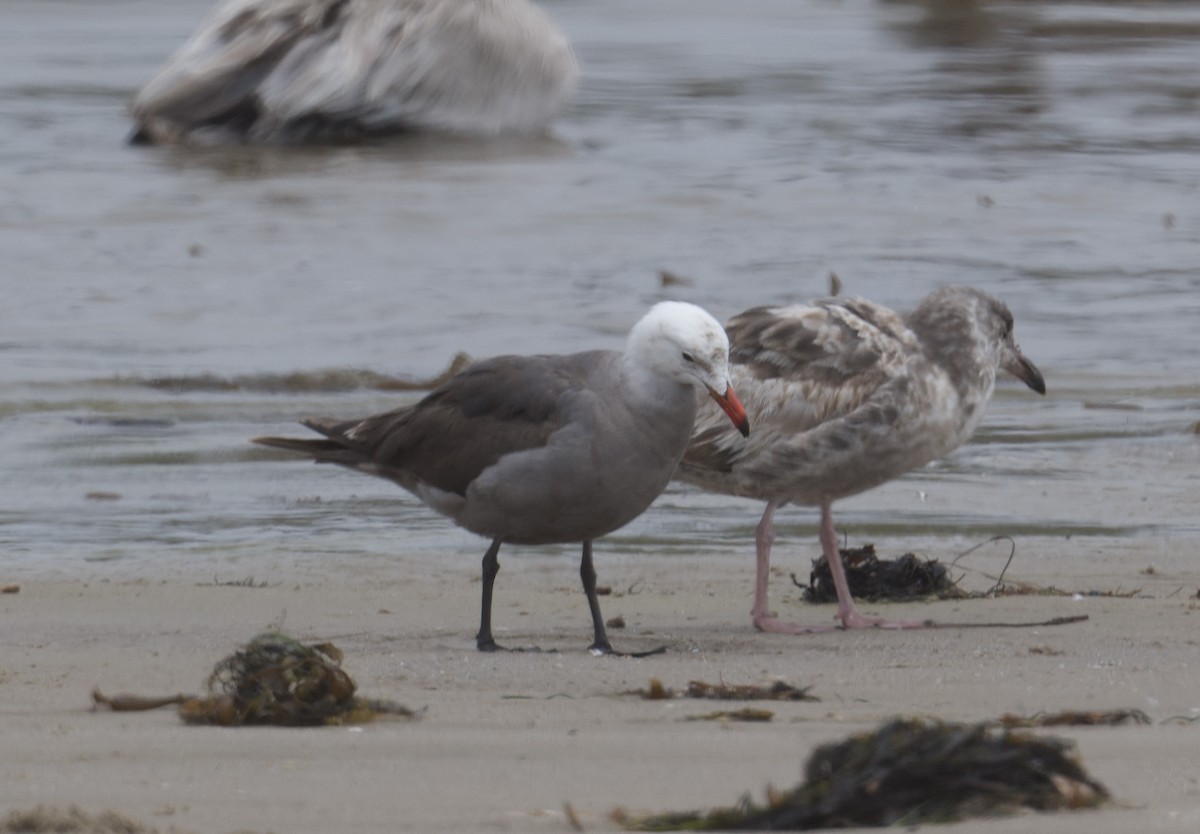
x,y
687,357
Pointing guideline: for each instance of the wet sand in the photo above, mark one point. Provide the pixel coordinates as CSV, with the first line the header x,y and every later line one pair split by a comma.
x,y
505,740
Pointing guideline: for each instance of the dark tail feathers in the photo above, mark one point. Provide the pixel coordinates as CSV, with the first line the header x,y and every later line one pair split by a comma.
x,y
323,451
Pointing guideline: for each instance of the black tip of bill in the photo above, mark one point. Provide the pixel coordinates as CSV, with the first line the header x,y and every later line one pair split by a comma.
x,y
1031,376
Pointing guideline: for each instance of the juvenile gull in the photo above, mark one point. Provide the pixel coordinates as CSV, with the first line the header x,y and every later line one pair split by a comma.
x,y
547,449
298,70
846,395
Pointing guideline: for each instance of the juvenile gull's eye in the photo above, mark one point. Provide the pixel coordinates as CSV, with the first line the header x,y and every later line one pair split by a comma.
x,y
1007,320
687,357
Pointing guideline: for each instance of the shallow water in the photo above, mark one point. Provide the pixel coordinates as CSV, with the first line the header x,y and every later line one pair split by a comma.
x,y
1045,152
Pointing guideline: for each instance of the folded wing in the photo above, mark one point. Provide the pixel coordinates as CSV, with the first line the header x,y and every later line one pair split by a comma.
x,y
493,408
801,368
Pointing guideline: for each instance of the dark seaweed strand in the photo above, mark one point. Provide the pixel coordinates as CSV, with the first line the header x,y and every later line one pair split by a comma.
x,y
907,772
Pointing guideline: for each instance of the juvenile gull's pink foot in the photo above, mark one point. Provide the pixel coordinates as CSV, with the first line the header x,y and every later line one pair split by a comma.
x,y
847,611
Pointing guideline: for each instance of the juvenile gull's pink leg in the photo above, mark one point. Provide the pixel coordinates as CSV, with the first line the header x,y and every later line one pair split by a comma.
x,y
761,614
847,611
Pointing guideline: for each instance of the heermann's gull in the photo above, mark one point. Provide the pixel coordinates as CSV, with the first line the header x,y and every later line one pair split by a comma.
x,y
845,395
298,70
547,449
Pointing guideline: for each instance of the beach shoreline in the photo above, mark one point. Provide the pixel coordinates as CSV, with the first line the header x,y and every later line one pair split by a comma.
x,y
504,740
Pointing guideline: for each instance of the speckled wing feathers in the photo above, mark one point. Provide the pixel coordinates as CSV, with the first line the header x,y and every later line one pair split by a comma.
x,y
216,73
808,364
828,343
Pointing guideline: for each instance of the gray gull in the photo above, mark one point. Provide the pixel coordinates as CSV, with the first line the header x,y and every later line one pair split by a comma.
x,y
301,70
846,395
547,449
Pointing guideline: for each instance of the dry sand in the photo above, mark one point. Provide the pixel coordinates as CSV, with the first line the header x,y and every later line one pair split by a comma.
x,y
505,739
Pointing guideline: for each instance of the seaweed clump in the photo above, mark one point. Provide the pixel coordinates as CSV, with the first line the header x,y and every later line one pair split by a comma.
x,y
907,772
871,578
1077,718
275,679
777,691
72,820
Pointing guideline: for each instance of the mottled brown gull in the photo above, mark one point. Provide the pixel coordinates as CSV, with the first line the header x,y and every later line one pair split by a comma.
x,y
845,395
547,449
300,70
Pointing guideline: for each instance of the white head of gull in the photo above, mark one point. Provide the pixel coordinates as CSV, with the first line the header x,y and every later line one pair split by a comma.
x,y
547,449
845,395
315,70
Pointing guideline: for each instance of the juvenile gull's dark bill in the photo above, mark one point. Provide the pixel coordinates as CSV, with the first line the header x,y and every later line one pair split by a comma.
x,y
845,395
547,449
319,70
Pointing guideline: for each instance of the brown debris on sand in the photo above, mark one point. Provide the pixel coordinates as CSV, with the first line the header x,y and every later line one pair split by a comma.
x,y
273,679
744,714
908,578
125,702
908,772
71,820
871,578
1076,718
777,691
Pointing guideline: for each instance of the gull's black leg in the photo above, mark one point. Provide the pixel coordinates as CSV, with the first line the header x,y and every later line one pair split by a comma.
x,y
491,566
587,572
